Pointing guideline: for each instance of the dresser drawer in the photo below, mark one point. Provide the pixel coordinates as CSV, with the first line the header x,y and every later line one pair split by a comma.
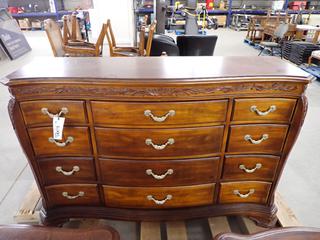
x,y
67,170
160,197
263,109
72,194
251,167
249,192
162,143
76,142
159,114
37,112
260,138
161,173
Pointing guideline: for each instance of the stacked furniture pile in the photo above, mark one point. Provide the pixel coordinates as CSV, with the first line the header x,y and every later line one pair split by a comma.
x,y
298,52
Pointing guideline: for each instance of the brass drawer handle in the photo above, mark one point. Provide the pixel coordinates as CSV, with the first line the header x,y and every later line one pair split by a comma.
x,y
159,177
255,109
249,138
61,144
148,113
159,147
66,195
159,202
243,167
74,169
237,192
63,110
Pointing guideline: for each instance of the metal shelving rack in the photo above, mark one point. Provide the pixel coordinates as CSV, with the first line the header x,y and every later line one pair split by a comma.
x,y
231,10
57,14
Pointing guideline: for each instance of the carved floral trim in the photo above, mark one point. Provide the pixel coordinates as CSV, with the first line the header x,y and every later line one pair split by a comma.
x,y
154,91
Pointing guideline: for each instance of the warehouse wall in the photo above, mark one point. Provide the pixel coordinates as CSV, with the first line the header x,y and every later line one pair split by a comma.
x,y
121,14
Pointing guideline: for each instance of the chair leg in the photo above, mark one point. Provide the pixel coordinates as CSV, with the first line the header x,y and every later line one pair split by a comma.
x,y
261,51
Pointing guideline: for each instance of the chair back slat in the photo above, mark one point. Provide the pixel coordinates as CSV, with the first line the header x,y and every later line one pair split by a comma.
x,y
55,37
150,37
281,30
66,31
108,31
99,43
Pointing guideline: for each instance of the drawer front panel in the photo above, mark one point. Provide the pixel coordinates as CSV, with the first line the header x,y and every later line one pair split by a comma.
x,y
257,138
249,192
160,197
73,194
161,173
263,109
164,143
67,170
33,114
78,145
159,114
250,167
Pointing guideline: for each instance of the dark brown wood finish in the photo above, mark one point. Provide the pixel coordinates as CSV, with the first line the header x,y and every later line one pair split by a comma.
x,y
167,197
250,167
146,114
107,101
72,194
248,110
184,144
80,145
160,173
33,115
273,142
249,192
67,170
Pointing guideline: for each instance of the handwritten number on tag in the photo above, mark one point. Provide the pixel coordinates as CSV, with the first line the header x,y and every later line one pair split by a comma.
x,y
58,123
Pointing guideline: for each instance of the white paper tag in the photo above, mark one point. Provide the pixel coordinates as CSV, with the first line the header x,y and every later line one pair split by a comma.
x,y
57,124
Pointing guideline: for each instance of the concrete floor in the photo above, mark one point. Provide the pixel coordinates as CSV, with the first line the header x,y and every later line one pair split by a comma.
x,y
299,185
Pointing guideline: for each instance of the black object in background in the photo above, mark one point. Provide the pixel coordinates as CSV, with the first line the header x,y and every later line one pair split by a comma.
x,y
196,45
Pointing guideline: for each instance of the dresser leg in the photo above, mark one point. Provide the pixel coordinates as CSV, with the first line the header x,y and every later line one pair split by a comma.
x,y
267,220
54,222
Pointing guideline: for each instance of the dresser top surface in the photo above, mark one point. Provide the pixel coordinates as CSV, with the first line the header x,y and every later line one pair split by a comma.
x,y
156,68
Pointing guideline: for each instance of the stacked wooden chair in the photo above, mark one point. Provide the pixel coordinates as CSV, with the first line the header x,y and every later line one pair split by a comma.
x,y
142,50
71,44
71,30
62,48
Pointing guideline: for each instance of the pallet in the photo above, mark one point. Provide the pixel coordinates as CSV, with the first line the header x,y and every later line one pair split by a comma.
x,y
179,230
314,70
30,207
251,43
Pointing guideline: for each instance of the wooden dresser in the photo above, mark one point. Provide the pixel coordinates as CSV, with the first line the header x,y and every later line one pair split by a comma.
x,y
156,139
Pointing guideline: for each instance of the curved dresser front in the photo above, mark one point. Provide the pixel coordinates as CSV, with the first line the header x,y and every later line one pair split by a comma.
x,y
152,139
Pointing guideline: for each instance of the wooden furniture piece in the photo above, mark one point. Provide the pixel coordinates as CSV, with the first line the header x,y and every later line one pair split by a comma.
x,y
315,55
308,33
27,232
59,49
290,233
261,25
71,30
144,140
142,50
279,35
